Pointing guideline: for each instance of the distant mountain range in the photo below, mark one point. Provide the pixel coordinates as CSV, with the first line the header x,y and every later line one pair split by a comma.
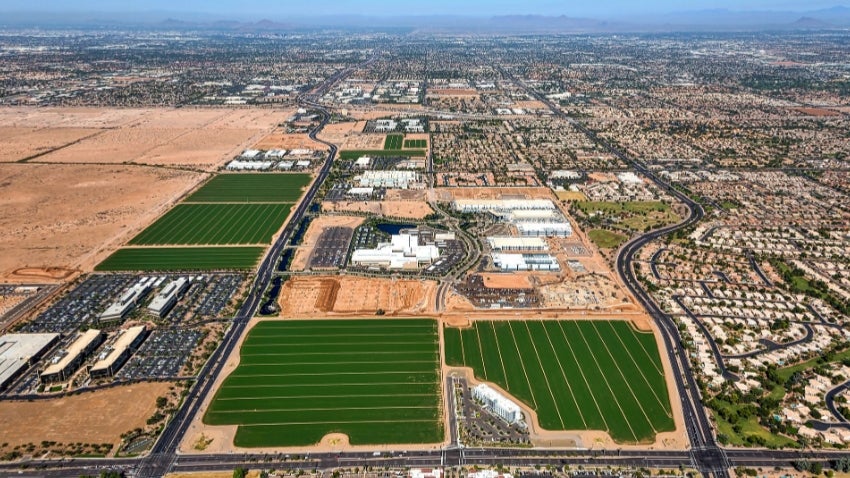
x,y
835,18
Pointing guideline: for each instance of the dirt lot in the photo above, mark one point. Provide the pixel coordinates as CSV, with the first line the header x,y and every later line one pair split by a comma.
x,y
402,209
94,417
366,141
72,216
341,295
21,143
337,133
302,254
281,140
186,137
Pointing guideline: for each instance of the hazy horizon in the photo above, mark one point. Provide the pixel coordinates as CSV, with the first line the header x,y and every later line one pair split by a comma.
x,y
254,8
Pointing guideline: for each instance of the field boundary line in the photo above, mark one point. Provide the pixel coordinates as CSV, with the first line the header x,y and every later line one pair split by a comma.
x,y
349,422
347,362
394,372
543,369
291,385
481,353
646,352
499,351
564,374
522,364
581,371
625,380
301,397
645,380
608,384
327,409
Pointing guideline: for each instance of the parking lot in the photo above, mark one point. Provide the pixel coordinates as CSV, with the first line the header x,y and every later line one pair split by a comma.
x,y
478,426
207,297
331,249
162,355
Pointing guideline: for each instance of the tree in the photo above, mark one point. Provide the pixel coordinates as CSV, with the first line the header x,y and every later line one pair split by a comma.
x,y
240,472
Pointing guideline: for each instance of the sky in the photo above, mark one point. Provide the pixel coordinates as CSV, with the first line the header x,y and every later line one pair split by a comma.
x,y
300,8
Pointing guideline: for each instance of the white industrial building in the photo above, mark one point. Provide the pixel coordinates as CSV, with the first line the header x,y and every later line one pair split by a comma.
x,y
114,355
168,297
387,179
534,215
385,125
363,162
250,153
64,364
500,205
402,252
544,229
525,262
237,165
361,192
19,351
128,300
504,244
497,403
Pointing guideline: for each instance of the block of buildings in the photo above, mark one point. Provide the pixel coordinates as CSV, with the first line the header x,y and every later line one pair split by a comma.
x,y
525,262
404,251
497,403
168,297
508,244
63,365
20,351
128,301
116,353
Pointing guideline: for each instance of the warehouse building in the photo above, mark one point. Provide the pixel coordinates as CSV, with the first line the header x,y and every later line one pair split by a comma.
x,y
168,297
63,365
545,229
514,244
525,262
500,205
116,354
20,351
534,215
388,179
498,404
128,301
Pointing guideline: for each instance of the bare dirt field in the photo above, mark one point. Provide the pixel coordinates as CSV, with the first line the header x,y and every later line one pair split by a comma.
x,y
401,209
281,140
317,226
94,417
17,144
517,280
342,295
530,105
365,141
338,132
72,216
185,137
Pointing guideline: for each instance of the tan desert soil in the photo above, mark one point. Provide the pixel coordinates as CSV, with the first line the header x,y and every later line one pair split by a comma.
x,y
317,226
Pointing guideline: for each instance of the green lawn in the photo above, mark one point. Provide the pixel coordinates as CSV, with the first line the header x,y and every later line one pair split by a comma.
x,y
192,224
606,239
415,143
577,375
381,153
252,187
635,215
376,380
394,141
182,258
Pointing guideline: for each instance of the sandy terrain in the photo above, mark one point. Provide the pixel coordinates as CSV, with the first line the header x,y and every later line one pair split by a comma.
x,y
449,194
94,417
309,296
281,140
365,141
317,226
186,137
17,144
530,105
336,133
519,280
72,216
400,209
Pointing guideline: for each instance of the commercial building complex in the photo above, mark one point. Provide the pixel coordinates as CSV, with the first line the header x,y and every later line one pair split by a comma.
x,y
116,354
500,205
405,250
64,364
507,244
525,262
19,351
498,404
168,296
128,301
388,179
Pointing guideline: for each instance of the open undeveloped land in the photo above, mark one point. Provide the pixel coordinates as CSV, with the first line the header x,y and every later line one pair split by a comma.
x,y
341,295
72,216
317,226
93,417
185,137
399,209
375,381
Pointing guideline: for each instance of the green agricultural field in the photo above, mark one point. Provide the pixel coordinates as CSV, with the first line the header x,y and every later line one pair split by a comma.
x,y
382,153
182,258
375,380
252,187
394,141
192,224
415,143
606,239
577,375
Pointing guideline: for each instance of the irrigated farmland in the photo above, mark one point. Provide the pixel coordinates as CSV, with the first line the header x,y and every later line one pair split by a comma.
x,y
247,188
181,258
377,381
191,224
577,375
